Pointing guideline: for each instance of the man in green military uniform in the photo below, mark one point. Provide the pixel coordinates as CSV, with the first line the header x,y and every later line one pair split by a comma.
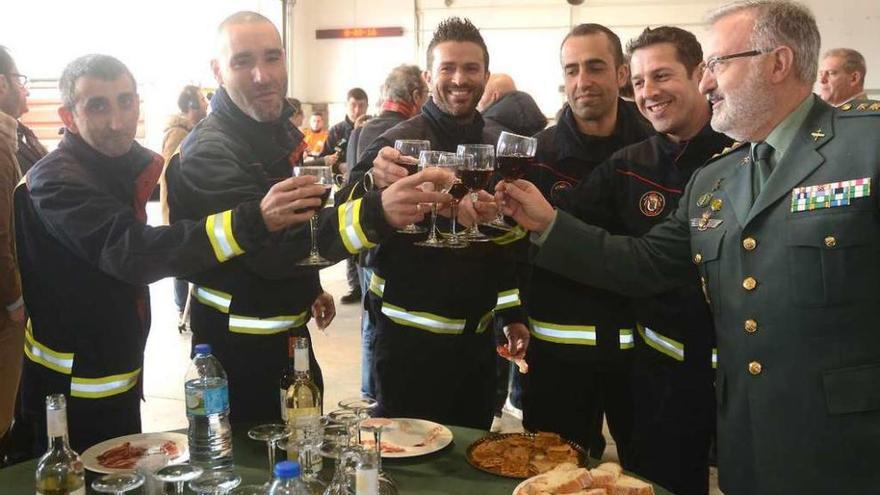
x,y
784,232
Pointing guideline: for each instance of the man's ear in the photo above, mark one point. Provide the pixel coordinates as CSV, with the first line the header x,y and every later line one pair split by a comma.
x,y
783,63
66,115
215,68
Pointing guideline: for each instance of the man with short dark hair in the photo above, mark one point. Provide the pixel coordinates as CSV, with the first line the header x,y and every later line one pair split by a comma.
x,y
784,234
578,330
87,255
841,78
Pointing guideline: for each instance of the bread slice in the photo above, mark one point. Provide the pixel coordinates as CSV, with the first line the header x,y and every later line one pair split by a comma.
x,y
627,485
602,478
590,491
568,481
611,467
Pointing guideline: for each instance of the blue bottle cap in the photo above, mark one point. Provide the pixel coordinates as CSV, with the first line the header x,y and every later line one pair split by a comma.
x,y
203,349
287,469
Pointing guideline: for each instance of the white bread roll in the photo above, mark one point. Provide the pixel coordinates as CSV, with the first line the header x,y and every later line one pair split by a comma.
x,y
627,485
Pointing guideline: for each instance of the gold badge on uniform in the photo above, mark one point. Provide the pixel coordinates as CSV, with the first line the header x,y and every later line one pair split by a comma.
x,y
652,203
716,204
703,201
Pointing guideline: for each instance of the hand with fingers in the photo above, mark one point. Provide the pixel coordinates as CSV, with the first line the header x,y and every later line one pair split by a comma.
x,y
403,201
323,310
291,202
524,203
483,210
388,166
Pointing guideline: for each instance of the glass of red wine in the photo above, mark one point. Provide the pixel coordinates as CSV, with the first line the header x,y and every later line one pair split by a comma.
x,y
515,154
475,176
410,149
324,177
458,190
440,159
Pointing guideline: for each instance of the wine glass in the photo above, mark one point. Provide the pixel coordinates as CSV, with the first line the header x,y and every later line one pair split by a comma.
x,y
118,483
411,149
325,178
458,190
514,155
304,445
178,474
269,433
376,425
439,159
476,177
361,407
215,483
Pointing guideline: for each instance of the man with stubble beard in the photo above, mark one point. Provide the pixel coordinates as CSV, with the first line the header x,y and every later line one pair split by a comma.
x,y
433,347
578,330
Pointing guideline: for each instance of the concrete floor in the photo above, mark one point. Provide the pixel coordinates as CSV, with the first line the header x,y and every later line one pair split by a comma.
x,y
338,351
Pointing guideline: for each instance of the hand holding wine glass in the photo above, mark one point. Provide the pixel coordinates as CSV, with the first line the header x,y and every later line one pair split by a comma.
x,y
409,150
324,177
524,202
475,175
437,160
393,164
402,201
290,202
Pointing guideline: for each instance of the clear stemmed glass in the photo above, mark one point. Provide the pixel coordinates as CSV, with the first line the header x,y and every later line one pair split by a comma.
x,y
269,433
118,483
215,483
439,159
411,149
514,154
324,175
476,177
457,190
305,442
376,425
178,474
361,407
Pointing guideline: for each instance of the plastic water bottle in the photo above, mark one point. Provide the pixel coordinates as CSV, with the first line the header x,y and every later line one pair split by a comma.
x,y
287,480
207,409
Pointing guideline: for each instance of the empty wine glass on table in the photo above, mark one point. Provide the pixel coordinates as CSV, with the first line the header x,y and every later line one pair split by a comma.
x,y
215,483
178,474
118,483
475,176
324,177
514,155
410,149
269,433
440,159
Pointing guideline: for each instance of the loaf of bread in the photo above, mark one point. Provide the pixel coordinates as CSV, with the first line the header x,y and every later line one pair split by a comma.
x,y
602,478
565,479
627,485
611,467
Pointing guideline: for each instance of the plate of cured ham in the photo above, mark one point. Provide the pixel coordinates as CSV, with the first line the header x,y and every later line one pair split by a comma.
x,y
407,437
123,453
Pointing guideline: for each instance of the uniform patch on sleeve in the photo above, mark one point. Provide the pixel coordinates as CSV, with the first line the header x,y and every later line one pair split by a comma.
x,y
829,195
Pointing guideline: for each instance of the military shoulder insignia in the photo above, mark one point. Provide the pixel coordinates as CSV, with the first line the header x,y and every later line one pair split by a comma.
x,y
652,203
862,107
846,107
831,195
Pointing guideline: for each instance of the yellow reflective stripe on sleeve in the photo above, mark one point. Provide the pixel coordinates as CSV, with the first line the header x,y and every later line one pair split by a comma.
x,y
377,285
62,362
97,388
514,235
425,321
508,299
627,339
714,358
663,344
219,229
353,236
266,326
563,334
214,298
485,321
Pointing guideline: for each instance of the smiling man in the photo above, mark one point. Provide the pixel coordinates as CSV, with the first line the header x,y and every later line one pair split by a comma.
x,y
579,330
784,235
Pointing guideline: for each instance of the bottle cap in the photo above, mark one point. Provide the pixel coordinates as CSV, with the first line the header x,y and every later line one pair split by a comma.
x,y
287,469
203,349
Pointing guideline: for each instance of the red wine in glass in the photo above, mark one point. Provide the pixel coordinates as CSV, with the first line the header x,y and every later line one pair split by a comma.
x,y
513,167
458,190
475,180
411,168
324,197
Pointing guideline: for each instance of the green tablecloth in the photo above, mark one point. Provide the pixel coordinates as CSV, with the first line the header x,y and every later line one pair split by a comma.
x,y
444,472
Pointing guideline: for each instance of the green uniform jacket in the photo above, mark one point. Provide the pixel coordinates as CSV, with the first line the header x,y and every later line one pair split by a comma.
x,y
795,297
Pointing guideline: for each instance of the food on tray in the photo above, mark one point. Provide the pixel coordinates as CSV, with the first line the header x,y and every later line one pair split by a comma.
x,y
521,456
502,351
387,447
568,479
126,456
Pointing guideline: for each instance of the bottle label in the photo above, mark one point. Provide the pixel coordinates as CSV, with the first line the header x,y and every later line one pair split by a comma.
x,y
204,402
301,359
56,423
367,481
283,404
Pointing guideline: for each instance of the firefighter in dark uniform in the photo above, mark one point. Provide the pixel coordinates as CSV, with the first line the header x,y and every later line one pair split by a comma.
x,y
581,335
433,347
247,309
632,191
87,255
784,234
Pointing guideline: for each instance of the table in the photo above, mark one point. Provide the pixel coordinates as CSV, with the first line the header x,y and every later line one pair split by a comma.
x,y
441,473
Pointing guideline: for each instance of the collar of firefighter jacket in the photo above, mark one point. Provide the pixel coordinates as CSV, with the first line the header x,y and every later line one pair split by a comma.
x,y
122,170
271,141
451,133
572,143
693,153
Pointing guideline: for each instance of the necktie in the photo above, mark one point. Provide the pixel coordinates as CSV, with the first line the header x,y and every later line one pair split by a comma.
x,y
762,168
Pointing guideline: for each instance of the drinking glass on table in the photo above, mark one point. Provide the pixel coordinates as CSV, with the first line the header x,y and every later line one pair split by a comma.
x,y
386,485
440,159
324,177
215,483
410,149
178,474
269,433
475,177
118,483
514,154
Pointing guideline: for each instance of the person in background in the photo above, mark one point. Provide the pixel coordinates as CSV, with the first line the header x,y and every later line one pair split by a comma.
x,y
193,108
504,108
12,87
298,116
315,135
30,149
841,77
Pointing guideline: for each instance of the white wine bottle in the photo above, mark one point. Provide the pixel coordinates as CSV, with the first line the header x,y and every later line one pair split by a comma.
x,y
60,470
304,407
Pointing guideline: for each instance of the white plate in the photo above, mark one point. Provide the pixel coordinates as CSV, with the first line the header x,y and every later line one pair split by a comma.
x,y
521,486
415,436
143,440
